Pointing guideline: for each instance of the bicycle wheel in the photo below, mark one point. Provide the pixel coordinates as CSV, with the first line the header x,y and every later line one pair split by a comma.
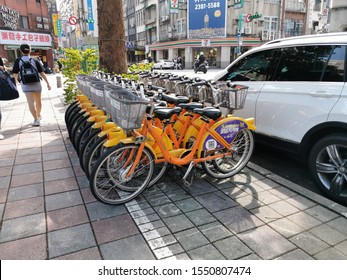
x,y
88,143
228,166
83,135
77,129
74,120
70,109
158,172
95,152
72,116
110,180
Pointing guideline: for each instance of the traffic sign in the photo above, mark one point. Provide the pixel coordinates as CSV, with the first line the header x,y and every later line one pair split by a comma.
x,y
73,20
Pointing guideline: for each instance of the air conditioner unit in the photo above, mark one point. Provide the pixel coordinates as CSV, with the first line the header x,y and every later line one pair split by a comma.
x,y
248,30
264,35
164,18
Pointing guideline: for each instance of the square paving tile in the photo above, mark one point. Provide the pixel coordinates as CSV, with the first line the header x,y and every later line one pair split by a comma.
x,y
23,227
5,162
216,201
156,233
284,208
191,239
25,192
167,210
130,248
98,210
188,205
56,164
238,219
304,220
178,223
162,241
55,155
321,213
339,224
286,227
300,202
200,217
248,201
151,226
26,179
309,243
168,251
3,195
295,255
215,231
266,214
27,168
330,254
266,242
58,174
207,252
31,248
28,159
141,213
66,217
328,234
114,228
5,182
232,248
71,239
146,219
87,254
61,185
24,207
4,172
63,200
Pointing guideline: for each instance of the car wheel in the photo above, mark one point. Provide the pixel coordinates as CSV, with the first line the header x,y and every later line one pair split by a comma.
x,y
328,166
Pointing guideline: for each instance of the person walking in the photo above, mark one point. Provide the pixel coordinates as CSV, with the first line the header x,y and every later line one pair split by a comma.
x,y
32,90
2,67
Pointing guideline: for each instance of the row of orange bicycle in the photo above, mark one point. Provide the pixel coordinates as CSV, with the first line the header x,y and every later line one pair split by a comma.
x,y
128,133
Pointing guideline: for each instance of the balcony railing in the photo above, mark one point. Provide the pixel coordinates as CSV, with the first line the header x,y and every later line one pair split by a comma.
x,y
295,6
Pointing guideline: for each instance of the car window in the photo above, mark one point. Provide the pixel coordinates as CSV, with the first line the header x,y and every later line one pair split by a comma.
x,y
254,67
312,63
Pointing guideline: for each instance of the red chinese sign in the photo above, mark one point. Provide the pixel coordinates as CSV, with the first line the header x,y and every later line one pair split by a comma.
x,y
8,37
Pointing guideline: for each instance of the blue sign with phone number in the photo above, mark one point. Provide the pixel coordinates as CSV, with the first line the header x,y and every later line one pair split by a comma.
x,y
207,18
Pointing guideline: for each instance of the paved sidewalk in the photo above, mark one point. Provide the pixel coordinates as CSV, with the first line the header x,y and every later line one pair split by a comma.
x,y
48,212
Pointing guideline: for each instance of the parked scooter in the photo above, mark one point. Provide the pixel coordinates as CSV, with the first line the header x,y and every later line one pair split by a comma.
x,y
202,67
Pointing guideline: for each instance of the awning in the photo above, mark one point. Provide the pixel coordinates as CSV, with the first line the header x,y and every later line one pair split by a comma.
x,y
16,47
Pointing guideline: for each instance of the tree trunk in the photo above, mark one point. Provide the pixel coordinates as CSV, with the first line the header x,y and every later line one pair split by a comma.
x,y
112,49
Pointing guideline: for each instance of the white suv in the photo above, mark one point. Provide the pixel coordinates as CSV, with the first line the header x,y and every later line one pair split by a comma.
x,y
298,97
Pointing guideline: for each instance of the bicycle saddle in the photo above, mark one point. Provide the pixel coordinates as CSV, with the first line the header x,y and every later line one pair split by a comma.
x,y
175,99
190,106
209,112
166,113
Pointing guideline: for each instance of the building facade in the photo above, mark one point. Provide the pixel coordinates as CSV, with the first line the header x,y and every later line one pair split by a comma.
x,y
26,21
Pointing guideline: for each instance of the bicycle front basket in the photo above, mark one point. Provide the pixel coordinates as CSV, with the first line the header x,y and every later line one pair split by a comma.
x,y
128,109
235,96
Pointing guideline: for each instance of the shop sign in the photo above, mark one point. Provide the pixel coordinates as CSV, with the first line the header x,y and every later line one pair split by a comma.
x,y
238,4
174,6
8,37
9,17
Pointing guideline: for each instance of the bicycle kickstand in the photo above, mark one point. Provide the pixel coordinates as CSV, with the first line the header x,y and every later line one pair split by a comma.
x,y
189,183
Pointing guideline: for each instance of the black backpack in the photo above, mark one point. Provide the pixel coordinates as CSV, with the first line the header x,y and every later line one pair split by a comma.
x,y
28,72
